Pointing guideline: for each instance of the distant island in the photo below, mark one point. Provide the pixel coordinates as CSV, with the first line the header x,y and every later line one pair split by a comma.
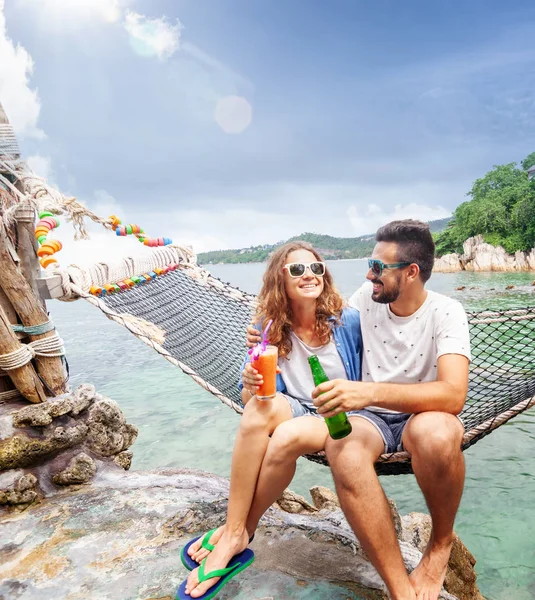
x,y
332,248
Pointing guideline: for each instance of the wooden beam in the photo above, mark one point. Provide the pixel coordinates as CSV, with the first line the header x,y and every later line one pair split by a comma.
x,y
25,378
31,312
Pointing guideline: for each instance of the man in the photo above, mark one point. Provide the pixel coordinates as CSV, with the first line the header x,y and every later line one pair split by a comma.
x,y
415,381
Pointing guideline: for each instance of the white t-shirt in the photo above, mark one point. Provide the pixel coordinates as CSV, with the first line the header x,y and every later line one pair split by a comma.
x,y
406,349
296,372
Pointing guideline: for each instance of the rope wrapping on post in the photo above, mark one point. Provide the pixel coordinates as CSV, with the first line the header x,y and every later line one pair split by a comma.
x,y
51,346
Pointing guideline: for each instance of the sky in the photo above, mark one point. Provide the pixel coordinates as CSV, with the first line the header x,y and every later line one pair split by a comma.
x,y
237,123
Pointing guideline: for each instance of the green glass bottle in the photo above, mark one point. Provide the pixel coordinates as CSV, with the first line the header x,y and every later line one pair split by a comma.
x,y
339,425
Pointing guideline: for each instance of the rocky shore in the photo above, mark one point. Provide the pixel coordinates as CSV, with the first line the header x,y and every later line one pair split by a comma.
x,y
479,256
76,525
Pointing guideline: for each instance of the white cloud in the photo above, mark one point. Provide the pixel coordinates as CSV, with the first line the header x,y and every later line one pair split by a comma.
x,y
42,166
369,220
20,102
68,13
152,37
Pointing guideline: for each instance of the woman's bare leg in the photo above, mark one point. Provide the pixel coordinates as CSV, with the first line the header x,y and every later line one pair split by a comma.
x,y
292,439
259,420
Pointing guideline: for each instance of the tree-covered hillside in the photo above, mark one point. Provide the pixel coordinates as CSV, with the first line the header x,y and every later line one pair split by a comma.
x,y
332,248
501,209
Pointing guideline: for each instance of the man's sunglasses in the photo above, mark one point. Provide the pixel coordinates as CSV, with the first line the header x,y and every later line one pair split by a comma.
x,y
298,269
377,266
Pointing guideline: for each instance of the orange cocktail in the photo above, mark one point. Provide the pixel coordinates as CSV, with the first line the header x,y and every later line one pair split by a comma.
x,y
266,365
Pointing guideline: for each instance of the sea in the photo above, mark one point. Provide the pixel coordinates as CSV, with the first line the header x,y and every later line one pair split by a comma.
x,y
182,425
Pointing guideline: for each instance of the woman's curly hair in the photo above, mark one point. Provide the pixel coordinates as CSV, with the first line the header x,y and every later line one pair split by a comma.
x,y
273,302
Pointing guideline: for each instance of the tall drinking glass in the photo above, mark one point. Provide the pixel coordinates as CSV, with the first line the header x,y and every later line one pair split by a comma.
x,y
266,365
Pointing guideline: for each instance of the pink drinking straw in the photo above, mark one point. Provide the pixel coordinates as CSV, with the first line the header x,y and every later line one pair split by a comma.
x,y
261,346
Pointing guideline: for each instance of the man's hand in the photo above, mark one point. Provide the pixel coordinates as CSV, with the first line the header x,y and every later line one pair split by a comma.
x,y
253,337
340,395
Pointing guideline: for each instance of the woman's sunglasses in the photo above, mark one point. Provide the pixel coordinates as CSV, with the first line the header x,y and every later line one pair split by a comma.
x,y
298,269
377,266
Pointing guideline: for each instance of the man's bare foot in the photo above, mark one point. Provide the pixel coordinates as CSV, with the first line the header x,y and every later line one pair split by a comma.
x,y
430,573
197,552
228,546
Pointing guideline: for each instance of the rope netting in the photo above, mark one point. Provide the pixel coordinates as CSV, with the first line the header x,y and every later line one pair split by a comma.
x,y
205,322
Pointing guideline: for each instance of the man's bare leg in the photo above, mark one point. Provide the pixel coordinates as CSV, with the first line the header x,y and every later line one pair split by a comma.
x,y
434,441
259,420
292,439
365,505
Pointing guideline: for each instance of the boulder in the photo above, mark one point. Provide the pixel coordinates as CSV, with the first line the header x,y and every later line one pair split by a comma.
x,y
121,537
81,469
63,441
480,256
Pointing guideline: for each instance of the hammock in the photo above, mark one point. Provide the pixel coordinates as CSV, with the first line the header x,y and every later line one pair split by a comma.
x,y
204,321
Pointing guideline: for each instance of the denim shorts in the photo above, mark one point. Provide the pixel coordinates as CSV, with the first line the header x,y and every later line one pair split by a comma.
x,y
389,425
304,410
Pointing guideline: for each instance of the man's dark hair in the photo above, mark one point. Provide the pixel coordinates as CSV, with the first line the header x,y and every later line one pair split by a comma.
x,y
415,243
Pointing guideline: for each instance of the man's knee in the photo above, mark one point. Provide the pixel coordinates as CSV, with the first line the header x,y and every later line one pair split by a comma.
x,y
433,434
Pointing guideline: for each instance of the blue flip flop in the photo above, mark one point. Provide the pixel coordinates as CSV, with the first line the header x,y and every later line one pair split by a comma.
x,y
236,565
186,559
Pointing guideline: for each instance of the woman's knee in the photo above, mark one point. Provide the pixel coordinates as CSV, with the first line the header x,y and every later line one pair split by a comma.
x,y
262,415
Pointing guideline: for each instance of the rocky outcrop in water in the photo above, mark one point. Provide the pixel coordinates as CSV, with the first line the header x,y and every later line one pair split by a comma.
x,y
63,441
480,256
120,537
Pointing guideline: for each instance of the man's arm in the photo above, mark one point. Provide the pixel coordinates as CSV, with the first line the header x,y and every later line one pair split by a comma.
x,y
446,394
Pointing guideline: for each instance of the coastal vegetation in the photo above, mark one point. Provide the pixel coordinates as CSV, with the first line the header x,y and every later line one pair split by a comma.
x,y
332,248
501,209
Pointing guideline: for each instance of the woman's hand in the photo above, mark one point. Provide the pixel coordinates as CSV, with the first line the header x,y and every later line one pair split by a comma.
x,y
253,337
251,379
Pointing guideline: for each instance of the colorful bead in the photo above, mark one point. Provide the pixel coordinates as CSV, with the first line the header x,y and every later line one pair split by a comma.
x,y
42,215
122,285
97,291
41,238
45,261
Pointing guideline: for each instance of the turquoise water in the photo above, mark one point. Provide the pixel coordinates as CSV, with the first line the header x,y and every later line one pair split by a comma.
x,y
182,425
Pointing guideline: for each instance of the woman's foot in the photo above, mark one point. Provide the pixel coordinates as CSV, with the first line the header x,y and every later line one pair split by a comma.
x,y
197,552
228,545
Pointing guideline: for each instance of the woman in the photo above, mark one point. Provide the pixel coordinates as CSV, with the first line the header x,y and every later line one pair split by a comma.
x,y
308,318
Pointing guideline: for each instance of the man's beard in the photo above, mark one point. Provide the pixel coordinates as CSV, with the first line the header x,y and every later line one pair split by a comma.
x,y
385,297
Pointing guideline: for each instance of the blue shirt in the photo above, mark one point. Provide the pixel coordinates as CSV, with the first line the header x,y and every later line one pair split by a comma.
x,y
348,340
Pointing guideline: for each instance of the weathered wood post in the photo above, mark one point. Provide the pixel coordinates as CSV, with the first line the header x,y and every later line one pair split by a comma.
x,y
19,270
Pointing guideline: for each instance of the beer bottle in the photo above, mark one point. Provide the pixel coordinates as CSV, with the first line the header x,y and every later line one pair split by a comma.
x,y
339,425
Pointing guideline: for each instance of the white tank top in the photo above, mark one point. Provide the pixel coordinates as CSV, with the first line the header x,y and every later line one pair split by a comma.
x,y
295,369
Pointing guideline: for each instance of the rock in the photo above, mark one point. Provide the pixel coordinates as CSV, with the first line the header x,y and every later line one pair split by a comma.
x,y
294,503
510,287
82,397
127,529
449,263
395,517
47,436
124,459
324,498
461,576
36,416
480,256
81,469
17,488
460,288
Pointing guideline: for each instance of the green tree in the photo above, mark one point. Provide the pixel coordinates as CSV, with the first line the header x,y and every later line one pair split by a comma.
x,y
502,209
